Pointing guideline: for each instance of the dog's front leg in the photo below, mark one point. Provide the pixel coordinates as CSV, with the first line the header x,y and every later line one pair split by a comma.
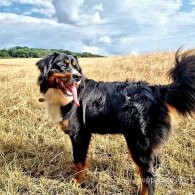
x,y
80,147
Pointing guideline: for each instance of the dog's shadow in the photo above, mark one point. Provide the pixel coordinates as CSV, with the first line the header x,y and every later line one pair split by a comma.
x,y
37,160
53,161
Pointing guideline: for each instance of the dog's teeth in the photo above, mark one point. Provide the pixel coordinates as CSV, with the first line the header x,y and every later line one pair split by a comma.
x,y
57,80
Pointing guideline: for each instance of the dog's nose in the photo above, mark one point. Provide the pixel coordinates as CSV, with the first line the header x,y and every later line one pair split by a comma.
x,y
76,76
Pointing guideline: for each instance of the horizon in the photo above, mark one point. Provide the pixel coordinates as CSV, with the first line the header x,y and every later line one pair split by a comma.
x,y
98,27
132,53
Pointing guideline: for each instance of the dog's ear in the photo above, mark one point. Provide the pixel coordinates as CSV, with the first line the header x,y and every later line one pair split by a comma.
x,y
76,58
45,63
80,70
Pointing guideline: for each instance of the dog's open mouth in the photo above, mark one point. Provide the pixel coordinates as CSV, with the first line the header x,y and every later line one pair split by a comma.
x,y
68,89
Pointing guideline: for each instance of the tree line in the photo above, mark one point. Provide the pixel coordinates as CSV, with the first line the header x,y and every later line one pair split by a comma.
x,y
26,52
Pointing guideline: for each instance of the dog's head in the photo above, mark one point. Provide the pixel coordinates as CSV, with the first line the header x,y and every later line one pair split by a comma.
x,y
61,71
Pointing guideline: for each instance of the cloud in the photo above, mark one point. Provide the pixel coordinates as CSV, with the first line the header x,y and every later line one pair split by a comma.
x,y
98,7
192,2
45,7
42,3
104,39
16,19
122,45
107,27
151,12
5,3
43,11
135,52
41,33
68,12
184,18
90,49
96,18
41,7
75,13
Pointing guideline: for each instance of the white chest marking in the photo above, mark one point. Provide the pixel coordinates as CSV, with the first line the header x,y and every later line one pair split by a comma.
x,y
54,99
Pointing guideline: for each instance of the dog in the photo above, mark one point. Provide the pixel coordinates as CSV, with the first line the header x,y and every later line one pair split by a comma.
x,y
139,111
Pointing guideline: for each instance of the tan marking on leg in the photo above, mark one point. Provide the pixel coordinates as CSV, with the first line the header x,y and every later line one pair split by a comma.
x,y
64,125
80,174
144,188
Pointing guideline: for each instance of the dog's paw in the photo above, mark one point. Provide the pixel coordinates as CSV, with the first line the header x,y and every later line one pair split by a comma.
x,y
77,183
74,182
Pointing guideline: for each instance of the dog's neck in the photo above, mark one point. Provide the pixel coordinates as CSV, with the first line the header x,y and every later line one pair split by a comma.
x,y
66,108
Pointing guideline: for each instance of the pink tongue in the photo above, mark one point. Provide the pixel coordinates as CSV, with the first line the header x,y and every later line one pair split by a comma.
x,y
74,93
72,89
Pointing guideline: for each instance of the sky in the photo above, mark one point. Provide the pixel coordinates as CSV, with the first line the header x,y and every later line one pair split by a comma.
x,y
106,27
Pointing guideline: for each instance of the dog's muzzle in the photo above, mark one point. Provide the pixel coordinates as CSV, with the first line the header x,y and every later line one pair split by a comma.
x,y
76,77
67,82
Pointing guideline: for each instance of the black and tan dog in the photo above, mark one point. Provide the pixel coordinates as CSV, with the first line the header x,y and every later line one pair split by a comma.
x,y
135,109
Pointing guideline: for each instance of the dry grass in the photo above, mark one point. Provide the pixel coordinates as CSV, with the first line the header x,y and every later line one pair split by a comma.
x,y
36,157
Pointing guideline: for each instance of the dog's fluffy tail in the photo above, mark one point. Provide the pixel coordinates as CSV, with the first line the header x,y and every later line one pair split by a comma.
x,y
181,93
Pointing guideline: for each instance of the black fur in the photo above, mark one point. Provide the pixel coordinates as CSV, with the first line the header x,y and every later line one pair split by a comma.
x,y
181,94
135,109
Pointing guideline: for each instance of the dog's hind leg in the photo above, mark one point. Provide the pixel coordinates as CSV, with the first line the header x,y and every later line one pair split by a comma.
x,y
80,148
145,161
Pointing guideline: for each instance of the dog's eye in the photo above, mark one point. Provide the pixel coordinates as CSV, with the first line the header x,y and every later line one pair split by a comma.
x,y
67,61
